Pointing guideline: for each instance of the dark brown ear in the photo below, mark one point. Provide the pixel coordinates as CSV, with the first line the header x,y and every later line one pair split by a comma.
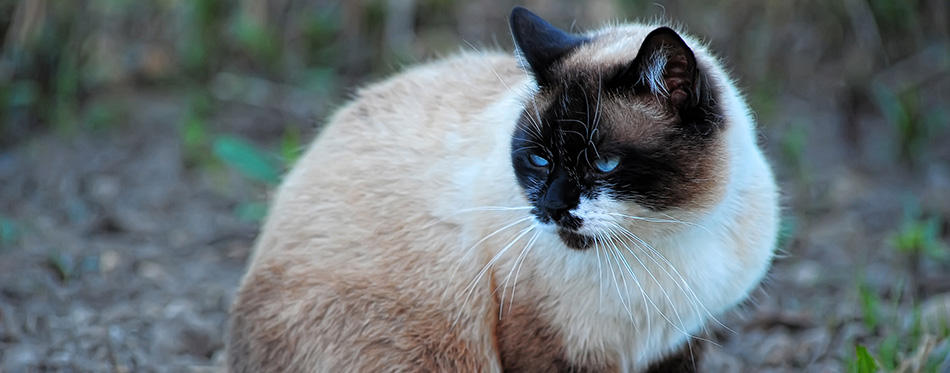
x,y
666,66
540,43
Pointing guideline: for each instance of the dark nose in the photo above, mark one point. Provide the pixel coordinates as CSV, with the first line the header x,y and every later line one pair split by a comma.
x,y
560,197
553,206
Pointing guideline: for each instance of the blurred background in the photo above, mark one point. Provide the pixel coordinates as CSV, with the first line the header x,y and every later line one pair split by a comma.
x,y
140,139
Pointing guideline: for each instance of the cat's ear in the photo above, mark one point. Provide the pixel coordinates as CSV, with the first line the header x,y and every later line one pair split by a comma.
x,y
540,43
666,66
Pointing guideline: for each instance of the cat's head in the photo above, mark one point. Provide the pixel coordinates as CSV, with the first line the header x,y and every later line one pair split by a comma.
x,y
624,129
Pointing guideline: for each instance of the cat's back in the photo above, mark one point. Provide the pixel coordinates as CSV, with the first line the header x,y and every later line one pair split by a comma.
x,y
392,151
426,102
343,235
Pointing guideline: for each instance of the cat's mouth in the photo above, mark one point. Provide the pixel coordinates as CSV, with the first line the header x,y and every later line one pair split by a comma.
x,y
567,225
574,240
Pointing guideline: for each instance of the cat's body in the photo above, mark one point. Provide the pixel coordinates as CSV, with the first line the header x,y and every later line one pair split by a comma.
x,y
376,253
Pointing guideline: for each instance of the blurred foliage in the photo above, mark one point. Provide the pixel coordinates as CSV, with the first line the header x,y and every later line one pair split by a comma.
x,y
290,146
9,231
870,306
863,362
57,54
920,235
62,265
247,158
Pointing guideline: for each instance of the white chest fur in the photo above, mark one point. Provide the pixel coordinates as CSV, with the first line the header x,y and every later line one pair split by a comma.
x,y
631,299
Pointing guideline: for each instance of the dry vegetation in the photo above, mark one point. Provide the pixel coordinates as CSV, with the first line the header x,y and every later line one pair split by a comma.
x,y
139,139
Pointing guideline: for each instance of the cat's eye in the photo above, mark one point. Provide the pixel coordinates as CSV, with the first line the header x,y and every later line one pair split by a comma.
x,y
607,164
538,160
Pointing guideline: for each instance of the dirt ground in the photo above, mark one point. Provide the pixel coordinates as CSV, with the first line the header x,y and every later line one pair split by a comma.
x,y
124,256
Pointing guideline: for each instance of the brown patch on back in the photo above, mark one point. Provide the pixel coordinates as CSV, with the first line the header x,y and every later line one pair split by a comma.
x,y
529,343
285,320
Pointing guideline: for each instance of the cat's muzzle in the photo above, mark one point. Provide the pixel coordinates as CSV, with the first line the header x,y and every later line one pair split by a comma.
x,y
567,226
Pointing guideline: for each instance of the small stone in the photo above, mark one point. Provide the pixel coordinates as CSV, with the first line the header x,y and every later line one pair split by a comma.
x,y
806,273
20,358
152,271
59,358
202,369
220,358
132,220
104,188
81,315
151,310
9,330
719,360
108,261
165,338
776,349
812,345
178,307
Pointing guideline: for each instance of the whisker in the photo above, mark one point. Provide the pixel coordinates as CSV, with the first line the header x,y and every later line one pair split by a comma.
x,y
597,115
534,105
485,59
480,208
600,276
489,64
481,273
504,286
530,141
470,249
613,275
626,290
587,110
682,327
497,208
523,148
528,247
688,291
658,220
636,281
534,129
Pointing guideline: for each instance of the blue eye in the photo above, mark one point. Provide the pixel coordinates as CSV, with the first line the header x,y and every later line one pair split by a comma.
x,y
538,160
607,164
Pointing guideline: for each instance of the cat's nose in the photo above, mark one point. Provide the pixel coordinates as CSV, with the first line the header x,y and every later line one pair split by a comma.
x,y
556,214
557,209
558,198
552,204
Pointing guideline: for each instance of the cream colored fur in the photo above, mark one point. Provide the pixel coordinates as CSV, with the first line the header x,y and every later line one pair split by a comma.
x,y
369,259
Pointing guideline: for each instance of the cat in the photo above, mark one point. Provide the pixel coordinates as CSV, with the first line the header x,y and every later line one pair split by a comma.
x,y
589,204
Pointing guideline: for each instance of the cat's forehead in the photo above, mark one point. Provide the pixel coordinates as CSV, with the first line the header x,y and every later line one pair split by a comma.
x,y
617,45
576,119
582,103
612,46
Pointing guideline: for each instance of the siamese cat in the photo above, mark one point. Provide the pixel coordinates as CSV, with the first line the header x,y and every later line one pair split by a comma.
x,y
592,203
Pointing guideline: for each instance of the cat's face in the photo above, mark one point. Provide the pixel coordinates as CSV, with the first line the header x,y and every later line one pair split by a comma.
x,y
600,148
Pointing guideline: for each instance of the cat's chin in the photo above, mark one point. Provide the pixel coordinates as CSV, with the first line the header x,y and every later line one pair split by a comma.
x,y
575,240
